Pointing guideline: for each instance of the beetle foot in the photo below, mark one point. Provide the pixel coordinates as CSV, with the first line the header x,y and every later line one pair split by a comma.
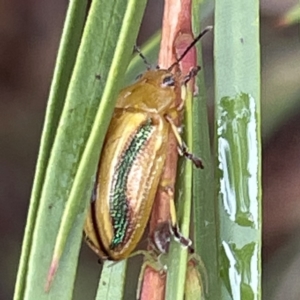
x,y
189,155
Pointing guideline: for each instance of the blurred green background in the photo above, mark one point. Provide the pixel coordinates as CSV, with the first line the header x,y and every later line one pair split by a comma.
x,y
30,33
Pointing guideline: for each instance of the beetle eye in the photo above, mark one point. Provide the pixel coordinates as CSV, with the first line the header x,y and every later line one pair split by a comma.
x,y
168,81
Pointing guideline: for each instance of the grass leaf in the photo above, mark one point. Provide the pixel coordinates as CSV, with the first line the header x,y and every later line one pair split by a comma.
x,y
238,147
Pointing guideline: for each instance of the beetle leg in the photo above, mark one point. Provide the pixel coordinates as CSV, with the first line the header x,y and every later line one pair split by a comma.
x,y
174,228
181,105
156,264
161,237
189,155
180,238
183,150
192,73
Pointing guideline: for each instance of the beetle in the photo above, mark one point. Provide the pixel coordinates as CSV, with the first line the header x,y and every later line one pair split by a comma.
x,y
132,160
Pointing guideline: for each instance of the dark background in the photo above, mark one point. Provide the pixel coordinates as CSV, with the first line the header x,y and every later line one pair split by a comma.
x,y
30,32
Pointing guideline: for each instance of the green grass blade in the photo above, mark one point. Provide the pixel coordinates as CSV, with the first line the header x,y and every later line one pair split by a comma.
x,y
65,62
178,256
292,16
112,281
238,147
89,161
106,25
204,204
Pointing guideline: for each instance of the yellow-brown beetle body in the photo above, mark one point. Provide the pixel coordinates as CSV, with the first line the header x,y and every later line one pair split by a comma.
x,y
133,159
131,164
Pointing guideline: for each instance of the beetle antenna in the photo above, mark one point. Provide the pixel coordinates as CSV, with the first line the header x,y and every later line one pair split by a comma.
x,y
138,50
202,33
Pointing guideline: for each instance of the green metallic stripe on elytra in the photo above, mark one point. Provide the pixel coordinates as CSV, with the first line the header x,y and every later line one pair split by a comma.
x,y
119,209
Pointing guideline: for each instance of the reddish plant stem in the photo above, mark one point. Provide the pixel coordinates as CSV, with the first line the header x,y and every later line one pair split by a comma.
x,y
176,36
